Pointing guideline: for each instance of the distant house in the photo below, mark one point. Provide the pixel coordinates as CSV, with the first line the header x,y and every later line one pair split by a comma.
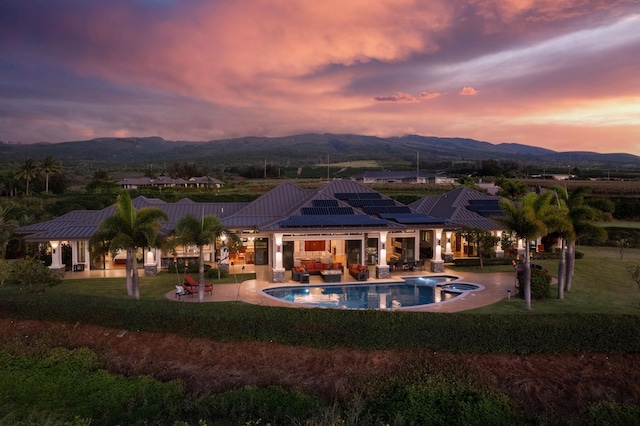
x,y
166,181
402,177
554,176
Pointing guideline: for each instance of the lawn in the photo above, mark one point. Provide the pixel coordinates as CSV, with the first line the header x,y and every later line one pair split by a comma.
x,y
151,288
601,284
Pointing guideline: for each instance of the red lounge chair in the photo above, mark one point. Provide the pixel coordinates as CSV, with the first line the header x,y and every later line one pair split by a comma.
x,y
192,285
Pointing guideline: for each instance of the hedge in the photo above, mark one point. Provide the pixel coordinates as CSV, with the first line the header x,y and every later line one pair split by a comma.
x,y
366,329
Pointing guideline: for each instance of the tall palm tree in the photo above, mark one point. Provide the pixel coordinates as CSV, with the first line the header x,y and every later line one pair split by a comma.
x,y
191,231
129,229
49,166
561,225
584,219
528,221
27,172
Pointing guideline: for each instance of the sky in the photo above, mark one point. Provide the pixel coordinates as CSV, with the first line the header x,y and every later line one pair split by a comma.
x,y
557,74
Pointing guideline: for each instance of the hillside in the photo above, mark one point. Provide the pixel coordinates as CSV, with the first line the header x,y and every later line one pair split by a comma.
x,y
307,149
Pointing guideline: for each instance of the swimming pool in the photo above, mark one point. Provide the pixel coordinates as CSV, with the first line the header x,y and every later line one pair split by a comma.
x,y
410,292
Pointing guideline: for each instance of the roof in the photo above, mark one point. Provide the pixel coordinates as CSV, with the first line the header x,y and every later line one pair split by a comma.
x,y
462,206
340,204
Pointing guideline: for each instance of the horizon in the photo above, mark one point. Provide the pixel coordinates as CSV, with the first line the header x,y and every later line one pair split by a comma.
x,y
553,75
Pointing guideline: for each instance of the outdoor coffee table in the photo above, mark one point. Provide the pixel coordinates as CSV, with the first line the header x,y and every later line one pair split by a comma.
x,y
331,275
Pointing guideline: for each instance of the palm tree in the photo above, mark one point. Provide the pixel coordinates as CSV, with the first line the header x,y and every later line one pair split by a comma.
x,y
191,231
562,227
49,166
7,227
27,172
528,221
584,220
129,229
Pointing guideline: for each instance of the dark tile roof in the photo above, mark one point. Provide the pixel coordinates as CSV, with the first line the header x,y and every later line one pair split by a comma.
x,y
454,205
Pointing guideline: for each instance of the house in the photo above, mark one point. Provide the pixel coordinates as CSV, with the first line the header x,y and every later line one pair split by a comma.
x,y
403,177
166,181
341,222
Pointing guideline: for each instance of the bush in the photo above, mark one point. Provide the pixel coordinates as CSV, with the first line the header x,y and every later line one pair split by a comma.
x,y
540,284
31,275
271,404
612,414
213,273
487,261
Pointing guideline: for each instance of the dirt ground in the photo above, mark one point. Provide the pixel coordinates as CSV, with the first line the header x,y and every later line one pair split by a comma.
x,y
557,384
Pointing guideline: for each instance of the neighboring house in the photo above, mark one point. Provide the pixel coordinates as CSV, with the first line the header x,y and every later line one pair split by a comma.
x,y
403,177
166,181
342,222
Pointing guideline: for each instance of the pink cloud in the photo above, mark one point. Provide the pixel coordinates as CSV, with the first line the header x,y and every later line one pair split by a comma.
x,y
398,97
468,91
427,95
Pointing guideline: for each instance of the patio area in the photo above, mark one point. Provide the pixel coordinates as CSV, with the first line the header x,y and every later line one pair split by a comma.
x,y
495,289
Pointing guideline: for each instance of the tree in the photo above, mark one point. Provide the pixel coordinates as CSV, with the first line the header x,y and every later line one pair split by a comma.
x,y
511,189
49,166
561,226
483,238
191,231
584,218
129,229
7,228
527,221
27,172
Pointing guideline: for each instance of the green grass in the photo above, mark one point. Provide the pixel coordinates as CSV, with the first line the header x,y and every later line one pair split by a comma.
x,y
152,288
601,284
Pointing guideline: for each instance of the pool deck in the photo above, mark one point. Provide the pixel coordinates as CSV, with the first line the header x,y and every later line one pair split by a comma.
x,y
495,289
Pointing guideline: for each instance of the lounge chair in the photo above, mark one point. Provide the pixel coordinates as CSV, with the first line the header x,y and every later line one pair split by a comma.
x,y
192,285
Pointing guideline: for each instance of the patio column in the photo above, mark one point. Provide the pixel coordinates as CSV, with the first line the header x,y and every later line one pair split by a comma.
x,y
278,270
498,247
448,253
56,256
382,269
437,264
521,249
150,265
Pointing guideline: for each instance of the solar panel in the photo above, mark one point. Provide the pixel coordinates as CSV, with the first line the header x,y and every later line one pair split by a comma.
x,y
486,208
306,221
324,203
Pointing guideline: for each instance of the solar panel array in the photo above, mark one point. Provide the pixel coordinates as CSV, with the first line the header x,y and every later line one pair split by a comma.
x,y
377,210
324,203
306,221
486,208
327,210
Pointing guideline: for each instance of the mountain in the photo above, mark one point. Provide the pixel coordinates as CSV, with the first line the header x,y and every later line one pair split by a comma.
x,y
305,149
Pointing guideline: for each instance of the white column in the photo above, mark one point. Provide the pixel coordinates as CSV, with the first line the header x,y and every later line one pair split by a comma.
x,y
498,246
448,252
382,249
55,255
437,244
278,251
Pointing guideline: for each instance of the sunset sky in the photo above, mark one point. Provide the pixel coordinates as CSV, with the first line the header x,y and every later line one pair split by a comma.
x,y
559,74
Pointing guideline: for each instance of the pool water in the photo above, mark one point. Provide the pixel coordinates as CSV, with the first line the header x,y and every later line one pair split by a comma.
x,y
411,292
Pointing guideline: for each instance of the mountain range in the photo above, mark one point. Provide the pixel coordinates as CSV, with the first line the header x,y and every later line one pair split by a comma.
x,y
307,149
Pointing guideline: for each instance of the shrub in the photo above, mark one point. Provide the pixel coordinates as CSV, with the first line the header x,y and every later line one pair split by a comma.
x,y
271,404
32,275
540,284
611,413
213,273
